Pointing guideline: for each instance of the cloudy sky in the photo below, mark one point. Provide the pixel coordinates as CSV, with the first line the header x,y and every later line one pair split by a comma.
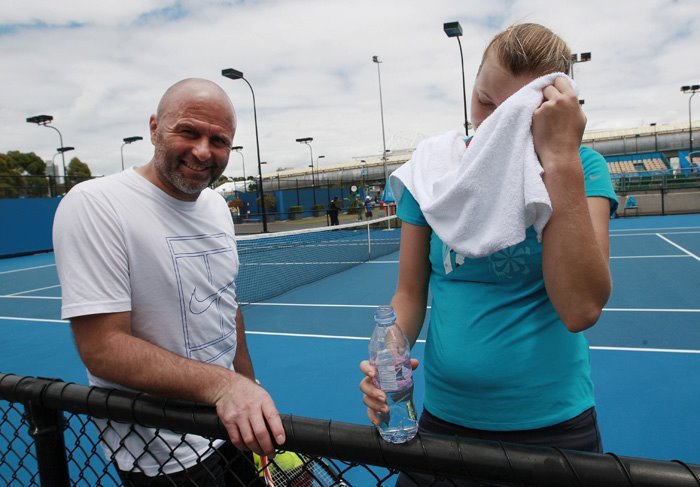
x,y
99,67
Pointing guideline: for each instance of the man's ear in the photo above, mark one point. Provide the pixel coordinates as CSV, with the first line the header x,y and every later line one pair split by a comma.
x,y
152,126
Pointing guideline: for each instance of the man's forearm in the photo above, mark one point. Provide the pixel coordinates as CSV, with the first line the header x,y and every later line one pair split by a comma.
x,y
119,357
242,362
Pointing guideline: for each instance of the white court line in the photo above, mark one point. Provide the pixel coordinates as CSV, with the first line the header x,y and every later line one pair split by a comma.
x,y
657,350
38,320
12,296
314,305
28,268
652,233
651,310
339,337
669,256
612,349
33,290
679,247
652,229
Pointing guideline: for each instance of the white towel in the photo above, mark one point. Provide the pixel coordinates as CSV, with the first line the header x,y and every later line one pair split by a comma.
x,y
482,199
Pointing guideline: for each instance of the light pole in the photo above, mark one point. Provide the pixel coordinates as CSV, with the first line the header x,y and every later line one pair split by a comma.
x,y
584,57
128,140
60,150
45,120
656,139
692,89
317,166
375,59
454,29
239,148
307,141
235,74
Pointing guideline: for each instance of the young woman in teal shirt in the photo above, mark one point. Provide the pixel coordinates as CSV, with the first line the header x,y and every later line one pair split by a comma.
x,y
505,359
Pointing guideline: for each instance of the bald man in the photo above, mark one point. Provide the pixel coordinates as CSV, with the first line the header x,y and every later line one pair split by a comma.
x,y
147,262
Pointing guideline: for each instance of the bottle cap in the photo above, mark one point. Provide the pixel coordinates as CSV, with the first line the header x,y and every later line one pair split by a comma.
x,y
384,315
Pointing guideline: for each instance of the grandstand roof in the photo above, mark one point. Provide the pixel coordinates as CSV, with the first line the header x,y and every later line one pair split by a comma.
x,y
591,135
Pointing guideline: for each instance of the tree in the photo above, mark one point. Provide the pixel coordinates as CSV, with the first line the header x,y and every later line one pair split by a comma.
x,y
77,171
270,201
33,171
11,180
220,180
28,162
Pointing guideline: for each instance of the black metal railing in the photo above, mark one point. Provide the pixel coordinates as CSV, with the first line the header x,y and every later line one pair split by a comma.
x,y
43,446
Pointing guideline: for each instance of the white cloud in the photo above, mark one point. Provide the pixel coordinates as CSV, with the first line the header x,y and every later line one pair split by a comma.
x,y
100,67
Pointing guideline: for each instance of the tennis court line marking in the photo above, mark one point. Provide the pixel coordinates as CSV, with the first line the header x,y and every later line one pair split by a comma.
x,y
314,305
340,337
651,233
12,296
679,247
640,349
33,290
652,310
651,229
28,268
650,256
37,320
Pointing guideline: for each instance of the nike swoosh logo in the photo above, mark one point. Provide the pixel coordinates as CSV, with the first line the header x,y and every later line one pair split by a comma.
x,y
198,306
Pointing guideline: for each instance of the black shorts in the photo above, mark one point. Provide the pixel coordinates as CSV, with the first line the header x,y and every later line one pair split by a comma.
x,y
580,433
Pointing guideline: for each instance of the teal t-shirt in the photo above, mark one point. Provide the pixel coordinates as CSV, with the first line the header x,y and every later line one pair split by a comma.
x,y
497,355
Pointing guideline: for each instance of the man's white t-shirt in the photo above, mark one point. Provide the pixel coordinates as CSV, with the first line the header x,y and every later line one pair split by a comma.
x,y
122,244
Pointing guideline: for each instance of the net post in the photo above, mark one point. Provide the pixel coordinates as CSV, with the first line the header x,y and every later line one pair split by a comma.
x,y
369,241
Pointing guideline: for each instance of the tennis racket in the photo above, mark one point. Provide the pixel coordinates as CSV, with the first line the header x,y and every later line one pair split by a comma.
x,y
289,469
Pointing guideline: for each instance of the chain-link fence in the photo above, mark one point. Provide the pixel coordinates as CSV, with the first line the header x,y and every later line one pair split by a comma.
x,y
57,433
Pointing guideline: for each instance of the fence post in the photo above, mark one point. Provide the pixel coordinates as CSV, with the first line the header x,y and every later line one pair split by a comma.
x,y
663,205
46,428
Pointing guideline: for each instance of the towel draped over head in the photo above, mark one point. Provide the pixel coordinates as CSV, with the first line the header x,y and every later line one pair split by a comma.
x,y
482,198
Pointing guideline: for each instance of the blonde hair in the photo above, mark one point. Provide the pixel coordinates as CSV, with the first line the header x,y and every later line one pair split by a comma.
x,y
530,49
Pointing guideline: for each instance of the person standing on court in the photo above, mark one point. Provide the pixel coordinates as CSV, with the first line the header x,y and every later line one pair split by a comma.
x,y
504,357
147,262
333,209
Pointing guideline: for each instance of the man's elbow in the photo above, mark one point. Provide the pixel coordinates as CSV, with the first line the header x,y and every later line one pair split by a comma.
x,y
94,361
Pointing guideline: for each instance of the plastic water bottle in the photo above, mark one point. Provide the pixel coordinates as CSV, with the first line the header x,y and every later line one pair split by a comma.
x,y
390,354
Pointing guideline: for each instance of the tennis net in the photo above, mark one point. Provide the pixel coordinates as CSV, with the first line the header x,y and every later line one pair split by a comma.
x,y
272,264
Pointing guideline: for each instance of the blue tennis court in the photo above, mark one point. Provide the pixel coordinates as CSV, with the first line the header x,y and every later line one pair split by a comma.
x,y
306,343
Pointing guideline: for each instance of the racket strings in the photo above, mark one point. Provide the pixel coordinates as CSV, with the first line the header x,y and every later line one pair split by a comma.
x,y
294,470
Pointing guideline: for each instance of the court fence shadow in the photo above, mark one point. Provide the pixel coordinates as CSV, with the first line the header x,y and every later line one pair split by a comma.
x,y
54,433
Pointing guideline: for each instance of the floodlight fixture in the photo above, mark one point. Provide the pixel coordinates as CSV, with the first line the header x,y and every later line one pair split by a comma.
x,y
40,119
584,57
307,141
452,29
128,140
44,121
